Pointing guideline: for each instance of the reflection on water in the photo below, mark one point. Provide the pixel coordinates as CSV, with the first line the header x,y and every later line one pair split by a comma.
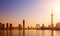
x,y
1,33
23,32
51,32
19,33
10,32
57,33
42,32
6,32
37,33
29,33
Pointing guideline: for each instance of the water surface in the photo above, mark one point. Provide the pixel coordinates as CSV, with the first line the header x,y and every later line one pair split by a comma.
x,y
29,33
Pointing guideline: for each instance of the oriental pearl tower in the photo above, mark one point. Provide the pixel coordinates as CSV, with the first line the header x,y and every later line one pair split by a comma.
x,y
52,26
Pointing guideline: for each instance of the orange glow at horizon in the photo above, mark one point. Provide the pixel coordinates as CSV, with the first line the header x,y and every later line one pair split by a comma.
x,y
56,11
37,14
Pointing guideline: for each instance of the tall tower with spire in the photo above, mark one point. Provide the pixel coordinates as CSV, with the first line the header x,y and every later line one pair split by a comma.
x,y
52,19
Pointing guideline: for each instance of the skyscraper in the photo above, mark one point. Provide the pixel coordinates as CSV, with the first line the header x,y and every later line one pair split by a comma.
x,y
52,19
20,27
37,26
23,24
7,26
10,26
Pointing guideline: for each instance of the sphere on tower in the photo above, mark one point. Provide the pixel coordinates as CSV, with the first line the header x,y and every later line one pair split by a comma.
x,y
52,19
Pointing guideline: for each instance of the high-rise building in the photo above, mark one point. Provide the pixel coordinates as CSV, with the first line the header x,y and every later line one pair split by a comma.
x,y
37,26
20,27
42,27
52,20
3,26
0,25
49,26
28,27
58,25
23,24
10,26
7,26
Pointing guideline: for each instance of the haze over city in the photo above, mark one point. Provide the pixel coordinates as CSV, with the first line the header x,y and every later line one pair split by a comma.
x,y
33,11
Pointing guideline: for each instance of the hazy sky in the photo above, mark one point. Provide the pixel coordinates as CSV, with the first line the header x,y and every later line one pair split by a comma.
x,y
33,11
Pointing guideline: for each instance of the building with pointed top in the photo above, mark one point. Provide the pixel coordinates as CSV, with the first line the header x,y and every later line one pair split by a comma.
x,y
52,26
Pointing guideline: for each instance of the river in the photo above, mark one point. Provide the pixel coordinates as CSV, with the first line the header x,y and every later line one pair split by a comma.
x,y
29,33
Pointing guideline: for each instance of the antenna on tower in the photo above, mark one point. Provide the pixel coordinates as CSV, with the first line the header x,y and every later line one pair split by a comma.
x,y
52,19
52,11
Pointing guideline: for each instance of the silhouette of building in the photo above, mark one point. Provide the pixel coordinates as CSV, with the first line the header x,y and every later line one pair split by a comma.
x,y
20,27
3,26
28,27
23,24
42,27
58,25
32,27
10,26
37,26
0,25
52,26
49,26
7,26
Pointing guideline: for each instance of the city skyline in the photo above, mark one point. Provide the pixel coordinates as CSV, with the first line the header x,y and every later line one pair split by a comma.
x,y
33,11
